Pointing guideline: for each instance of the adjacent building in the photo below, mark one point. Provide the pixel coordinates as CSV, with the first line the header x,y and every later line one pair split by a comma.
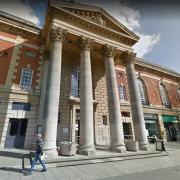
x,y
77,79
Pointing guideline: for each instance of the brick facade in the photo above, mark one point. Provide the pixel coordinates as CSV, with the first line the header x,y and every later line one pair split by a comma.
x,y
16,46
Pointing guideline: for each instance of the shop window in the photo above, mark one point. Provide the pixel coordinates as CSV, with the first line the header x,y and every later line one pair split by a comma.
x,y
26,77
143,92
122,93
21,106
164,96
75,81
105,120
30,54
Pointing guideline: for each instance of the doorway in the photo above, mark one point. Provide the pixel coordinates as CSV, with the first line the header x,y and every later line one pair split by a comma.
x,y
77,126
16,133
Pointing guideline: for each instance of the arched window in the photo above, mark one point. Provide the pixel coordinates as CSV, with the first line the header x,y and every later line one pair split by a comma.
x,y
143,92
164,96
75,81
179,91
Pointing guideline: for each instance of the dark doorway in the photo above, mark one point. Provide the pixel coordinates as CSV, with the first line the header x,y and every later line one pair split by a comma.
x,y
16,133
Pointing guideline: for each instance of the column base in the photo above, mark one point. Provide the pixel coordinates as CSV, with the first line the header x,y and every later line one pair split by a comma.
x,y
119,149
51,153
87,150
143,147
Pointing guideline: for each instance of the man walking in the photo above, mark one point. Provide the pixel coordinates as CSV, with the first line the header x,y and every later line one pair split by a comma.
x,y
38,154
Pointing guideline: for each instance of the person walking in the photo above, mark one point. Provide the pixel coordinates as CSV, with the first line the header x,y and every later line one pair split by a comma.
x,y
38,154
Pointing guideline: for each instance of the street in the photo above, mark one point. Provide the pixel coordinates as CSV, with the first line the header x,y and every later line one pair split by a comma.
x,y
157,168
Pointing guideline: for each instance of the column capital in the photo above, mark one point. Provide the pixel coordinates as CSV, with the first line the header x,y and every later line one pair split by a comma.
x,y
57,33
108,51
85,43
127,57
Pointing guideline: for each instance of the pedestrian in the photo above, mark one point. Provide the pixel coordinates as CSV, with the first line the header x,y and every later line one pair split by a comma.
x,y
38,154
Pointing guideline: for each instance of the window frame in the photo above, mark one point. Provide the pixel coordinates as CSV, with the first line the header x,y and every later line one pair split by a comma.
x,y
20,84
143,92
75,91
164,96
122,92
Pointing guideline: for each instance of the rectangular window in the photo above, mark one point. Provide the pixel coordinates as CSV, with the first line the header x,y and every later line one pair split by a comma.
x,y
21,106
122,93
105,122
26,77
30,54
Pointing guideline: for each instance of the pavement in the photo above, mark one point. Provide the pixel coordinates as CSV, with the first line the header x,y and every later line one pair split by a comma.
x,y
152,166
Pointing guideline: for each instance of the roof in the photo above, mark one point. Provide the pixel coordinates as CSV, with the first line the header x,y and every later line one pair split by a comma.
x,y
157,67
20,22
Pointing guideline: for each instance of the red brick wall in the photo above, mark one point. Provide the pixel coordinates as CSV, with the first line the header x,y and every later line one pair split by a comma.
x,y
152,84
122,80
173,94
24,61
5,60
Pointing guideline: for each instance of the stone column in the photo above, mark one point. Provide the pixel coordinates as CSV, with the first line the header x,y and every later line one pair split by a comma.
x,y
115,121
86,146
53,92
135,101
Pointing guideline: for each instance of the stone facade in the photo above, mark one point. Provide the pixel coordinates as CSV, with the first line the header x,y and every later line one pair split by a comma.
x,y
52,53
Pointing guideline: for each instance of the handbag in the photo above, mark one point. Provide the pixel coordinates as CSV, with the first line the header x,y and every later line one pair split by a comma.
x,y
42,156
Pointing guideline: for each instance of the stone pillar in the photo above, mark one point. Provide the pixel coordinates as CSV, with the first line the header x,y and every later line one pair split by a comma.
x,y
53,92
86,146
135,101
115,121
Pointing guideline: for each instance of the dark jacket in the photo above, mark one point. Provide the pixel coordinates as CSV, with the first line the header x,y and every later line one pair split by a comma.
x,y
39,146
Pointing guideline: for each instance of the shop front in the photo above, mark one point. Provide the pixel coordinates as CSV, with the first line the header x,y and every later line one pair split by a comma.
x,y
152,128
172,128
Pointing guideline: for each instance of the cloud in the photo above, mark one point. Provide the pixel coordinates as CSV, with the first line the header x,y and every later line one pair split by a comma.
x,y
146,44
20,9
130,18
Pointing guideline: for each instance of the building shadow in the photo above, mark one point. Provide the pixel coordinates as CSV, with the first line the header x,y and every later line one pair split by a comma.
x,y
11,154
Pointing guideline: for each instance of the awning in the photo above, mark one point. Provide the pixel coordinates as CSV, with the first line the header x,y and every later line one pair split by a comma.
x,y
167,118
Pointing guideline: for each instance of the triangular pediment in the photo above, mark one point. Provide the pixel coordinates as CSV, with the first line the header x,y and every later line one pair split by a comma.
x,y
95,15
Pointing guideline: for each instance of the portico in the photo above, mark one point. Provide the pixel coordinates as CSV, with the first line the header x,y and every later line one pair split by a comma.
x,y
85,35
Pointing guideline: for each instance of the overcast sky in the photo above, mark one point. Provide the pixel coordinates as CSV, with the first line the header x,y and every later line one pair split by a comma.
x,y
156,22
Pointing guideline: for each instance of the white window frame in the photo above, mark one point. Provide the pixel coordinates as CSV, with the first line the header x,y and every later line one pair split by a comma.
x,y
122,93
143,92
21,85
30,54
164,96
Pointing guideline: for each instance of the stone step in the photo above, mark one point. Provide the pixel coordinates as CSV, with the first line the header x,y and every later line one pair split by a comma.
x,y
103,159
63,161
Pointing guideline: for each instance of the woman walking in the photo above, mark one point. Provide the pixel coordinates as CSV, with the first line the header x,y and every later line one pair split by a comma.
x,y
38,154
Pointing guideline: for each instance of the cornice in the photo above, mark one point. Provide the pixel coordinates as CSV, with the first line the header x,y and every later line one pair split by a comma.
x,y
156,67
18,23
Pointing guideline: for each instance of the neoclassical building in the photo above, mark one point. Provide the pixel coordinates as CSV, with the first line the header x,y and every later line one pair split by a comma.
x,y
77,79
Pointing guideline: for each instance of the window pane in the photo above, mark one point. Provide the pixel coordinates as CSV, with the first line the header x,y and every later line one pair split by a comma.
x,y
26,77
75,81
164,96
143,94
21,106
122,93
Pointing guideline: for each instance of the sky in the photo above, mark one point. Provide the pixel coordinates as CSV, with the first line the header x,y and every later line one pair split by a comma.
x,y
156,22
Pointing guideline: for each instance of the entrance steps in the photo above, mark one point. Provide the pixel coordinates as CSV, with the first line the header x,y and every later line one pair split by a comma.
x,y
102,157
